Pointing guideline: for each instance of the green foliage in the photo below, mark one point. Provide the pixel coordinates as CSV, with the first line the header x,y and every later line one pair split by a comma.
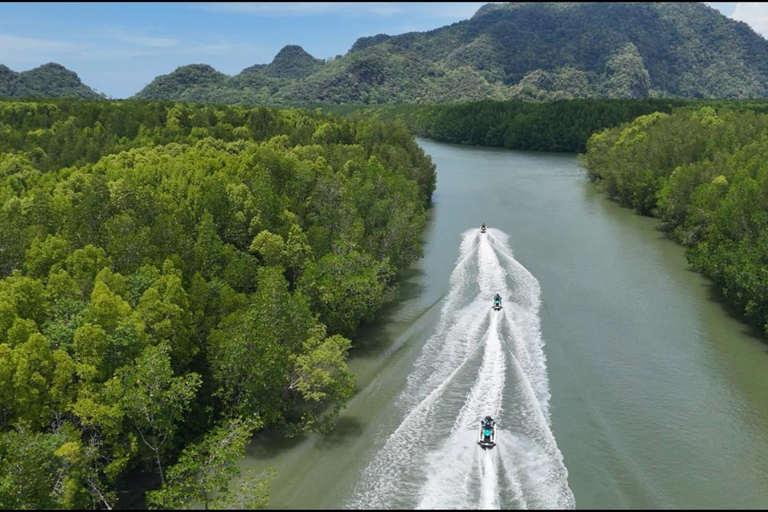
x,y
182,82
155,280
320,375
250,351
205,471
154,399
28,470
702,171
47,81
271,247
555,126
346,288
628,76
49,471
513,51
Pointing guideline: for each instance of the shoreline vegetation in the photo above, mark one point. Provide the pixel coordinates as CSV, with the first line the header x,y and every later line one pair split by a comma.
x,y
186,268
703,173
696,165
175,277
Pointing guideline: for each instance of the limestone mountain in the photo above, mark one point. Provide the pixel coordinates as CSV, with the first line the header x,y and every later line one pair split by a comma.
x,y
48,81
184,83
519,50
291,62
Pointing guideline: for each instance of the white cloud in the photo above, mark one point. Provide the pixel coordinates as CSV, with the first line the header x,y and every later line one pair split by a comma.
x,y
96,52
303,8
187,50
461,10
151,42
15,50
223,48
110,44
755,14
132,37
11,43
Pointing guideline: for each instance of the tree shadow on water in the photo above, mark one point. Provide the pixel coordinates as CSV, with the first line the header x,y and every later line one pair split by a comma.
x,y
372,339
715,295
346,429
270,442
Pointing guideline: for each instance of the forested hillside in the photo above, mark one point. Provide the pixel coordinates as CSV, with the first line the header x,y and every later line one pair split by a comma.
x,y
519,50
513,51
48,81
174,278
703,172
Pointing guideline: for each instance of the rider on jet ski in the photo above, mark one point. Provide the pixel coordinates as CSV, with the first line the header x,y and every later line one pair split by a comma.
x,y
497,301
487,437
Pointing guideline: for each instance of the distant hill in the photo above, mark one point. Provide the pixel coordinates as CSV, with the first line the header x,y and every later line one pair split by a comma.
x,y
290,62
49,80
536,51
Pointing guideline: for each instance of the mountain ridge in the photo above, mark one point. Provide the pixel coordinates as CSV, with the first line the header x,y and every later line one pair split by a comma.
x,y
520,50
51,80
505,51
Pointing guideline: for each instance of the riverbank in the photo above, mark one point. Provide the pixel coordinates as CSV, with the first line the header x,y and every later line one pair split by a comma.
x,y
658,395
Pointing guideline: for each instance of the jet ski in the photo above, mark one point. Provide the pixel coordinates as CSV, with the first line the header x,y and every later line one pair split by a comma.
x,y
487,437
497,302
482,228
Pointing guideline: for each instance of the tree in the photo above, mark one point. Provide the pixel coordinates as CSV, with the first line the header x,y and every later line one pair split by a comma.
x,y
78,482
83,265
42,256
249,353
206,470
28,469
125,264
271,247
155,400
298,252
347,287
320,375
209,250
628,76
106,308
164,311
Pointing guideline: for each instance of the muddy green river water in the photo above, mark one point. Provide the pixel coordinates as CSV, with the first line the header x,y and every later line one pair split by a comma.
x,y
616,376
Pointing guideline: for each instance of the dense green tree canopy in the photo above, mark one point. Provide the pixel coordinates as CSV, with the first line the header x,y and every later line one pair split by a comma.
x,y
701,170
167,268
563,125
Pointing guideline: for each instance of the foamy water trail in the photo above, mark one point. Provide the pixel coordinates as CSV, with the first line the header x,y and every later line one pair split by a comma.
x,y
478,362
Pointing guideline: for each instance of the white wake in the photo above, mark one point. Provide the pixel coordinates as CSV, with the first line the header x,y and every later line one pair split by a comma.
x,y
478,362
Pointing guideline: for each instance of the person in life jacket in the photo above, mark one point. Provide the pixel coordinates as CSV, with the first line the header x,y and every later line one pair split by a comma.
x,y
487,424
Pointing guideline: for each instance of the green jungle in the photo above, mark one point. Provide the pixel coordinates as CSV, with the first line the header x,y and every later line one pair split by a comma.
x,y
183,269
178,276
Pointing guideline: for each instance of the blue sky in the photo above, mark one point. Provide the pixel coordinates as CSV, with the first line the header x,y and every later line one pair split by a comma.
x,y
118,48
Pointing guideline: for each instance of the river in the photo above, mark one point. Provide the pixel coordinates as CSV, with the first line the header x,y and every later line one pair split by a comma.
x,y
618,378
